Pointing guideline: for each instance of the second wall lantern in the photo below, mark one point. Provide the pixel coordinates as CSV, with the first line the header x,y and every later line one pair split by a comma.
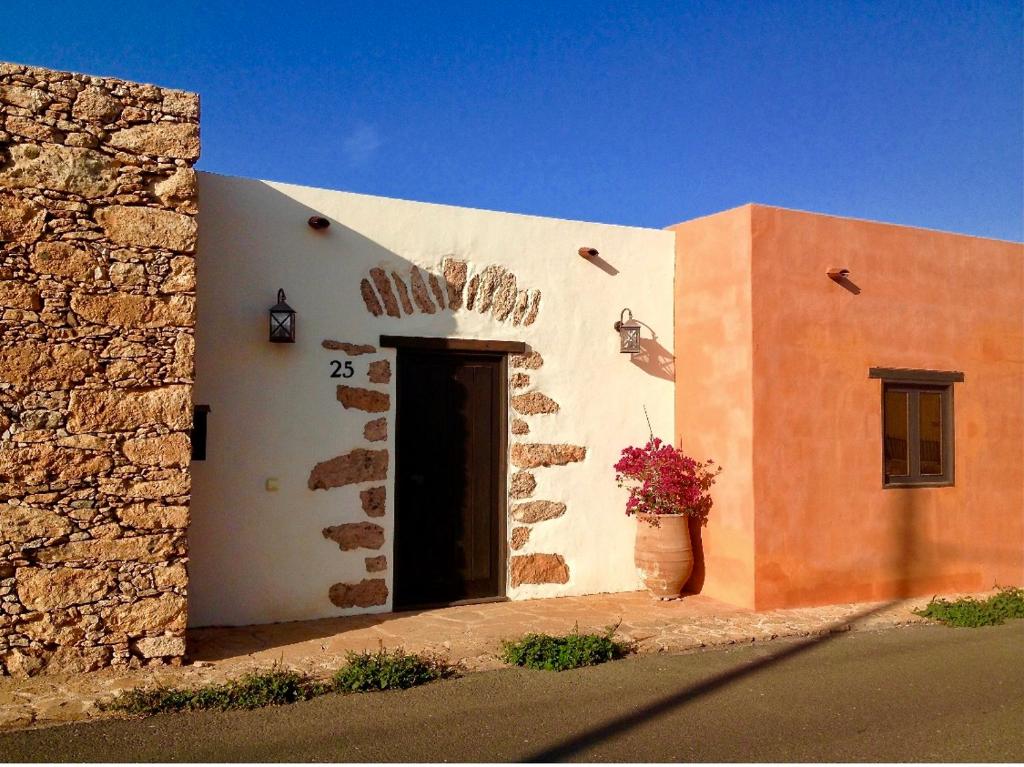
x,y
282,321
629,333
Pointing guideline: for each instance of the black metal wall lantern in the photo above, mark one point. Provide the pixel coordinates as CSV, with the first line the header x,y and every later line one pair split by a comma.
x,y
282,321
629,333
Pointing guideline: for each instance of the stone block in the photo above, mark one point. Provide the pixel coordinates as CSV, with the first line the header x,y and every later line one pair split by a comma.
x,y
132,311
151,614
162,139
153,516
355,398
167,450
107,410
358,465
140,548
26,523
20,220
522,485
49,589
519,427
376,564
387,293
159,646
370,298
419,292
356,535
182,277
374,501
148,227
403,292
534,403
537,511
376,430
42,462
45,366
367,593
18,295
455,278
96,105
64,259
380,372
75,170
530,456
530,361
352,350
520,537
178,190
538,569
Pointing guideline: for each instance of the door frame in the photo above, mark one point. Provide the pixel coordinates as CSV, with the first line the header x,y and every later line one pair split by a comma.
x,y
463,346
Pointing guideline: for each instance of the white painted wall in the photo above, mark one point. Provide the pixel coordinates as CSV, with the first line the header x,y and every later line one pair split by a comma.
x,y
259,556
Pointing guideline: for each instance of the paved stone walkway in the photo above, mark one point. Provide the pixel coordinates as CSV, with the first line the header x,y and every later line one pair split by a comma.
x,y
468,635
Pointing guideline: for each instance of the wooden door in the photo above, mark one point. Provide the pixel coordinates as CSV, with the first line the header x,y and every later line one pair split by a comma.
x,y
450,435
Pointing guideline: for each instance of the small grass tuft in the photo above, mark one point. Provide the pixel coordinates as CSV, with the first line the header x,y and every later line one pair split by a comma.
x,y
387,670
255,690
560,653
969,612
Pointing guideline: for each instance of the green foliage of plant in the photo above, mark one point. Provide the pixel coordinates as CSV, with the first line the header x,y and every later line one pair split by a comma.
x,y
560,653
381,670
969,612
384,670
255,690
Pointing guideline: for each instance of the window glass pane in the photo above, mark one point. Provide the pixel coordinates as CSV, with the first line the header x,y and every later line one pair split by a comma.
x,y
931,432
897,463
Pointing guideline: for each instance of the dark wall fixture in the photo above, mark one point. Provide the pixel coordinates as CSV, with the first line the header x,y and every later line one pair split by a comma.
x,y
838,274
318,222
199,413
588,252
282,321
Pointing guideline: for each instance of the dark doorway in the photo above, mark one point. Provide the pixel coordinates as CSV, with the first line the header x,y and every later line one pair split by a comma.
x,y
450,477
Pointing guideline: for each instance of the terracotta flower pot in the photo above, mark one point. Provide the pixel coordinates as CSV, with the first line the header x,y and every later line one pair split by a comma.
x,y
663,554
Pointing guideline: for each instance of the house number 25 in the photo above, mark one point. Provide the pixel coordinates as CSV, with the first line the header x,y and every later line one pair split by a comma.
x,y
341,369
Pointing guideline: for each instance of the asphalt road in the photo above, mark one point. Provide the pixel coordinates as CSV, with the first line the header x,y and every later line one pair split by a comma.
x,y
910,694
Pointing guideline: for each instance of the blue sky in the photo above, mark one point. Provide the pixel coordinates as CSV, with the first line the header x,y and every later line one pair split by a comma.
x,y
641,113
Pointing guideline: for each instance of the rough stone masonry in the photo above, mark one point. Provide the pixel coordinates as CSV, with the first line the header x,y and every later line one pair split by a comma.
x,y
97,308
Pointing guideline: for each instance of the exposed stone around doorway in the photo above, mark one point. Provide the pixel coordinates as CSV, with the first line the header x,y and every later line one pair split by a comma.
x,y
356,535
352,350
376,430
529,456
373,501
355,398
376,564
538,568
537,511
359,465
520,537
523,484
369,592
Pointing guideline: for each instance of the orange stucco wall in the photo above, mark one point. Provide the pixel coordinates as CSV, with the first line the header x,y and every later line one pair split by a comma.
x,y
714,397
772,381
826,531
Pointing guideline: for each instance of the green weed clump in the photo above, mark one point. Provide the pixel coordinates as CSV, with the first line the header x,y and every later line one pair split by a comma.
x,y
363,672
384,670
560,653
969,612
255,690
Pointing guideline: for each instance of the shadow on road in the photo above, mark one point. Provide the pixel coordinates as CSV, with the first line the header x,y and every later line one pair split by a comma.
x,y
903,568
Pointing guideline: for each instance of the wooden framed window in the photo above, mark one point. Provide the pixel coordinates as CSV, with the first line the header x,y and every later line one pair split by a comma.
x,y
917,426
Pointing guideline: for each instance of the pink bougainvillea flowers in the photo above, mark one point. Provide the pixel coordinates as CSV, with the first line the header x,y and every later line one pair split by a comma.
x,y
664,480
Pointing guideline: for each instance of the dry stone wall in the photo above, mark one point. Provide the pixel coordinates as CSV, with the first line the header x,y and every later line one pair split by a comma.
x,y
97,308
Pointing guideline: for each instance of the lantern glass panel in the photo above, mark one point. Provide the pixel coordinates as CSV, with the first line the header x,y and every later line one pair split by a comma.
x,y
629,338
